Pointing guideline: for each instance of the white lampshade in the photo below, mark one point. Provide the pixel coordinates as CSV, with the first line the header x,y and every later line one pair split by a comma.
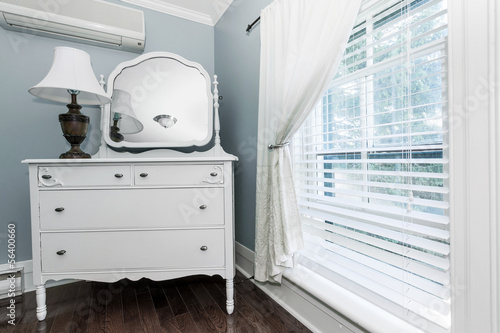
x,y
122,104
71,70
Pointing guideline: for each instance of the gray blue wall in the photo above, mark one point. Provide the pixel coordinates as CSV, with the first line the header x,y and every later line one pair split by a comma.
x,y
237,63
29,126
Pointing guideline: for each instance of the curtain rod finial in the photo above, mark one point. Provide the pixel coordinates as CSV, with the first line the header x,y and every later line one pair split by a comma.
x,y
250,26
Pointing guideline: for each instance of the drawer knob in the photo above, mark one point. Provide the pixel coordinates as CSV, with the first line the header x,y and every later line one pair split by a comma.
x,y
118,175
203,206
46,176
213,174
61,252
143,175
204,248
59,209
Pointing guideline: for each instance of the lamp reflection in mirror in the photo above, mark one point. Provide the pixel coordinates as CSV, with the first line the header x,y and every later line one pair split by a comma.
x,y
71,75
165,120
124,119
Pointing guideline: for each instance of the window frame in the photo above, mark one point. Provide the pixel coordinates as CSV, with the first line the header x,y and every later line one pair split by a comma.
x,y
364,154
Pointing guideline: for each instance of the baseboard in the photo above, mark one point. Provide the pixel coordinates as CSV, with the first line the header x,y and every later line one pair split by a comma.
x,y
27,273
244,259
310,311
28,276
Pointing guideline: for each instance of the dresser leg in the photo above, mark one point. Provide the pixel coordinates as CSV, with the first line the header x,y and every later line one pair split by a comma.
x,y
230,296
41,308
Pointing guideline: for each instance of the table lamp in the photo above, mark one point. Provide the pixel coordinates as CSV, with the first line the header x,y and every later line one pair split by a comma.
x,y
71,75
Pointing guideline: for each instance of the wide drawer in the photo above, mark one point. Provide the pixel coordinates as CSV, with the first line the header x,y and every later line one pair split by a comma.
x,y
101,175
178,174
98,251
131,208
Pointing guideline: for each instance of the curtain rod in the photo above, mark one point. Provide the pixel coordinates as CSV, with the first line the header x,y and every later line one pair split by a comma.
x,y
250,26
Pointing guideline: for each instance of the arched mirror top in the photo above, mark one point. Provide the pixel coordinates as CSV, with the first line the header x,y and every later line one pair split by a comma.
x,y
159,100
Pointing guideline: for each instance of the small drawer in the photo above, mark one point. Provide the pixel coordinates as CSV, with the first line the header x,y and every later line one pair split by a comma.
x,y
131,208
179,174
109,175
98,251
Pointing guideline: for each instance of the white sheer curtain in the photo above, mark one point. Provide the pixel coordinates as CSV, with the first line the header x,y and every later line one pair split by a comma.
x,y
302,42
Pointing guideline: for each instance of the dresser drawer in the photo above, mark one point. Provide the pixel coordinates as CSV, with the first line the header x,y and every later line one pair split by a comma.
x,y
108,175
178,174
167,249
131,208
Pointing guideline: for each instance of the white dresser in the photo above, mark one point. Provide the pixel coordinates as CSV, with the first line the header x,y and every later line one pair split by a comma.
x,y
159,214
108,219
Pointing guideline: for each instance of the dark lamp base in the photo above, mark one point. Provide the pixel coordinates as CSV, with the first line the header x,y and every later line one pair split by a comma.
x,y
74,152
74,126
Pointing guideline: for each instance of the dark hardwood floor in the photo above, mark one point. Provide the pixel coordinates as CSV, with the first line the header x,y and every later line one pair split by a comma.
x,y
193,305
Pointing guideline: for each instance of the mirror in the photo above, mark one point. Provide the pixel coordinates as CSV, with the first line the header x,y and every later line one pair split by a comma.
x,y
159,100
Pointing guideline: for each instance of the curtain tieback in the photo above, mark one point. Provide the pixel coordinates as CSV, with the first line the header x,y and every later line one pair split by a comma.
x,y
271,146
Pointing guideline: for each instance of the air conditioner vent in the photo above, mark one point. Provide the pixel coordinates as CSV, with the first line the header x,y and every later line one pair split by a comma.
x,y
88,28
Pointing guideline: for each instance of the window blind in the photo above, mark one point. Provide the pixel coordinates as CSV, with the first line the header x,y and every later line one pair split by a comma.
x,y
371,165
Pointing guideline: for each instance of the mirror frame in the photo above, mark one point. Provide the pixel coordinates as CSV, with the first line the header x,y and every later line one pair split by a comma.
x,y
106,123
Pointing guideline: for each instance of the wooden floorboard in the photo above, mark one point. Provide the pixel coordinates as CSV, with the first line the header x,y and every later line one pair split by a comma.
x,y
188,305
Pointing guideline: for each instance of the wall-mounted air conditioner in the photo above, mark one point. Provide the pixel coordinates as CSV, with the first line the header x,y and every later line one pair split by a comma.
x,y
86,21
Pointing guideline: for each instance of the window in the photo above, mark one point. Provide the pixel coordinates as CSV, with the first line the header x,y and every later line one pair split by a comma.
x,y
370,165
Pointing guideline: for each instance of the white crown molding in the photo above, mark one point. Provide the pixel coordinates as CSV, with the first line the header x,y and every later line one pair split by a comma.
x,y
188,14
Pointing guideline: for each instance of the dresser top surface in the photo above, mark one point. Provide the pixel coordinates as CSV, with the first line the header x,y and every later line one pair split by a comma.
x,y
131,160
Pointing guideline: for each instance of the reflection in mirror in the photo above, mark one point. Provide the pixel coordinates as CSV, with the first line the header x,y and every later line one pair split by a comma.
x,y
159,100
165,120
123,114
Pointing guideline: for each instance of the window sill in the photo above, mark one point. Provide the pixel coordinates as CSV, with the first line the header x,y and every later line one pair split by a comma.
x,y
355,308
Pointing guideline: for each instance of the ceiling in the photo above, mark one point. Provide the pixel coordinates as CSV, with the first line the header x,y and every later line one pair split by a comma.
x,y
202,11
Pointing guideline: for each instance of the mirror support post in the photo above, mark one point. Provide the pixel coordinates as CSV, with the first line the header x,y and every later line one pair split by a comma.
x,y
103,148
218,146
